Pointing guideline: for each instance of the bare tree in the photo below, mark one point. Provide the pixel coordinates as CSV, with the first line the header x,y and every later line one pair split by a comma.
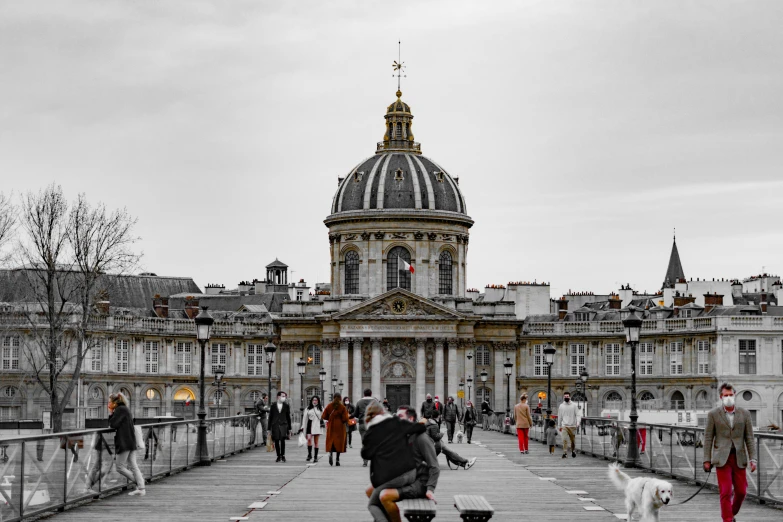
x,y
66,251
7,224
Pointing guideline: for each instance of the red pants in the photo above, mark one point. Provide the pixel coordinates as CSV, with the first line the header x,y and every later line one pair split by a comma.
x,y
728,476
523,438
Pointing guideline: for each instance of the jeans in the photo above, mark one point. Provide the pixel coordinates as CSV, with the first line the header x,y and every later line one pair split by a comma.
x,y
127,467
450,429
731,477
452,456
469,431
375,507
523,438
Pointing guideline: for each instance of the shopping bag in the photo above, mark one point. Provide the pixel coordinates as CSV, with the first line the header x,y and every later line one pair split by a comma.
x,y
270,446
302,439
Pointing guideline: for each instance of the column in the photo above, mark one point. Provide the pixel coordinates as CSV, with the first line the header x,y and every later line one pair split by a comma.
x,y
357,371
285,373
111,349
168,407
343,375
326,360
439,369
500,379
453,382
421,373
376,369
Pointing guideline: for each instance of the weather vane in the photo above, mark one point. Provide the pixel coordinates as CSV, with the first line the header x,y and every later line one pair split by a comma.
x,y
399,66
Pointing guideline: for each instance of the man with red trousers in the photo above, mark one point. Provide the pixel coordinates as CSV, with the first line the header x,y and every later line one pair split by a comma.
x,y
729,447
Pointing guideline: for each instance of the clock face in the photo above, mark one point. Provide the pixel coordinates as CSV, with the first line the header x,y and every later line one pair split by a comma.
x,y
398,306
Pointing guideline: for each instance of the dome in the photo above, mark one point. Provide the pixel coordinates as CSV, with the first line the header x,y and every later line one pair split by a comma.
x,y
400,181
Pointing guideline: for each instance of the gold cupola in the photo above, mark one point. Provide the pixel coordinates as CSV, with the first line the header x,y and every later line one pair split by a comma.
x,y
399,136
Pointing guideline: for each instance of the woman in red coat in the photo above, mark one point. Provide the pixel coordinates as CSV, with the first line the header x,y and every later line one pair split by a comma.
x,y
336,417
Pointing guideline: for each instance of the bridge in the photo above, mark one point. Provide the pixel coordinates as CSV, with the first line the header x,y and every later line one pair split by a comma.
x,y
49,472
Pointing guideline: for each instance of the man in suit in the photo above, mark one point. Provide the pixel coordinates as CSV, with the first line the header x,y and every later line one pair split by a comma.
x,y
729,446
280,424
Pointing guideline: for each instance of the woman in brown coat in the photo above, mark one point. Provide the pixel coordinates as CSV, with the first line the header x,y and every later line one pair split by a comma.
x,y
524,422
336,417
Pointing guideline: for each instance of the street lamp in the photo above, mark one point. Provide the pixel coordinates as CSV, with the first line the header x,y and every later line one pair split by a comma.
x,y
507,369
270,350
583,376
219,385
203,324
340,386
549,358
462,392
633,327
301,366
470,383
334,385
322,378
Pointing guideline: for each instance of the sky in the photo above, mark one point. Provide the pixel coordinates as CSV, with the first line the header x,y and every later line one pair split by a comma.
x,y
583,132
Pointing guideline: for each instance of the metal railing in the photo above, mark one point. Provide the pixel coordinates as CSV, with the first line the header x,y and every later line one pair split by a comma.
x,y
675,451
42,473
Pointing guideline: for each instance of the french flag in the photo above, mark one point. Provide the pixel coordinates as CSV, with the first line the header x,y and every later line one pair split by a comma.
x,y
407,267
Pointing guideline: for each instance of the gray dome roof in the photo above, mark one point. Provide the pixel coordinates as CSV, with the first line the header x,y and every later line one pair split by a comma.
x,y
398,180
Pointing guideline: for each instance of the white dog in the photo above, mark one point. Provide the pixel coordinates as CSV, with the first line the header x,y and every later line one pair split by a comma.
x,y
459,437
645,494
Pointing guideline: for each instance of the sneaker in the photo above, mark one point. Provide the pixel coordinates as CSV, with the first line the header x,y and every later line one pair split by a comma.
x,y
573,454
137,493
565,456
470,463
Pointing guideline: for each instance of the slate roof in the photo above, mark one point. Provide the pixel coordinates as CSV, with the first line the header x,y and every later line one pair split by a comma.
x,y
273,302
276,264
674,271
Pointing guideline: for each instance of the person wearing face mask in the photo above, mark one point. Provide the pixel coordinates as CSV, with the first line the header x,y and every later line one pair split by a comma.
x,y
567,418
730,448
351,420
280,424
428,407
312,425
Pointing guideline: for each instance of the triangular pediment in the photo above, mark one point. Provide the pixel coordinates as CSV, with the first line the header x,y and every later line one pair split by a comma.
x,y
399,304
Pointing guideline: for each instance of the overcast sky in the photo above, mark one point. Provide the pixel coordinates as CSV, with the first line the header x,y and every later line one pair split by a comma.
x,y
582,131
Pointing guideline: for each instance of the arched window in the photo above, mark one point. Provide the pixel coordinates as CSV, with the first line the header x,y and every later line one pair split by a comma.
x,y
184,395
446,286
482,356
314,355
311,392
702,401
352,272
647,401
678,401
483,394
254,396
613,401
396,275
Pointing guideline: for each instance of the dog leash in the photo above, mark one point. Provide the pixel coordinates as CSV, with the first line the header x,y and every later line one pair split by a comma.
x,y
698,491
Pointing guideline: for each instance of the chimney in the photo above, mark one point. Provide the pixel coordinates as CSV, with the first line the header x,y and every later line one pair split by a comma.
x,y
681,300
764,303
562,308
191,307
102,306
615,303
711,301
214,289
161,306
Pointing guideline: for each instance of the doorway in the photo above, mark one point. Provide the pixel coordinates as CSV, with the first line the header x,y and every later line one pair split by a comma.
x,y
398,395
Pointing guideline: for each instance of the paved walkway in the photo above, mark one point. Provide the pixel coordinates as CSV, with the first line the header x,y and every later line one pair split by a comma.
x,y
514,484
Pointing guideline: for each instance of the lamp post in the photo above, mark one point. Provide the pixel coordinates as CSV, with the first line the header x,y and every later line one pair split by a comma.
x,y
334,385
300,367
340,386
507,369
469,355
203,324
583,376
322,378
470,383
549,357
219,385
462,392
633,327
484,376
270,350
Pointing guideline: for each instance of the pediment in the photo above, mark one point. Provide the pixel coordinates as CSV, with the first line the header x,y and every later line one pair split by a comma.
x,y
399,304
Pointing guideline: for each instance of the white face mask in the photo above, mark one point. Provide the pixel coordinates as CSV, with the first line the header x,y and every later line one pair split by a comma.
x,y
281,399
728,401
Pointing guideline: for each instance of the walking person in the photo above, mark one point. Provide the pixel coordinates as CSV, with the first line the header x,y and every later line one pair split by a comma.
x,y
428,408
351,420
360,412
729,447
336,417
313,426
280,424
469,418
433,430
524,422
452,415
551,436
567,415
121,420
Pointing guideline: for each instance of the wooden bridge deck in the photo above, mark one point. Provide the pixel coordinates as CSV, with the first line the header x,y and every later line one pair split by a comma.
x,y
512,483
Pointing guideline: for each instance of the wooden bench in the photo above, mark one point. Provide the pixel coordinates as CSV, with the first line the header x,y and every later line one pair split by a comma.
x,y
418,509
473,508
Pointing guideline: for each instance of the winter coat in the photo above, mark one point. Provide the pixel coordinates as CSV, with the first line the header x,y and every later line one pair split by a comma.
x,y
485,409
428,409
385,445
122,421
336,418
470,416
522,416
433,430
361,408
551,436
279,421
313,416
451,413
261,409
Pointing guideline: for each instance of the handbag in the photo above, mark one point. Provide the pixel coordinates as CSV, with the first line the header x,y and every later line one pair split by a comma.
x,y
351,422
270,446
139,438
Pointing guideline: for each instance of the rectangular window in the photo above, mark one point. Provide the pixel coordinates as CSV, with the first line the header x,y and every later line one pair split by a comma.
x,y
747,356
646,352
255,359
9,413
151,353
687,416
184,353
96,357
219,351
123,347
703,348
675,358
10,353
577,358
149,413
612,359
541,367
94,413
753,415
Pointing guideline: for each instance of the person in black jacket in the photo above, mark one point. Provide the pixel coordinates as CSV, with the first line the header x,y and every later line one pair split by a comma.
x,y
470,418
452,415
121,420
392,464
280,424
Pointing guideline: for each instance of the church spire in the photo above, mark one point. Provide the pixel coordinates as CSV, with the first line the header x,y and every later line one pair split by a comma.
x,y
674,272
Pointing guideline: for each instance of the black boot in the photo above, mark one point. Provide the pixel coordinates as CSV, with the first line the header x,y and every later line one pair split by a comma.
x,y
338,460
309,453
316,455
331,462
